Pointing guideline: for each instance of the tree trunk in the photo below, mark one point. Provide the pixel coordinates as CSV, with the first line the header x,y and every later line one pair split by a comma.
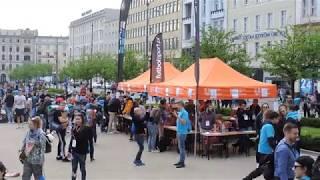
x,y
292,88
105,85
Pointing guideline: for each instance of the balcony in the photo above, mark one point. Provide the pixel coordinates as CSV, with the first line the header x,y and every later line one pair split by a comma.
x,y
219,13
187,18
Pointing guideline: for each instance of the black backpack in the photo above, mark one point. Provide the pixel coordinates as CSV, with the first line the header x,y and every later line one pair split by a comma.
x,y
48,145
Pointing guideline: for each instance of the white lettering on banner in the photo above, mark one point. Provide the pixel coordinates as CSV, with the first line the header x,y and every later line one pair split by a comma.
x,y
177,91
246,37
264,92
145,87
235,93
159,59
213,93
190,92
167,91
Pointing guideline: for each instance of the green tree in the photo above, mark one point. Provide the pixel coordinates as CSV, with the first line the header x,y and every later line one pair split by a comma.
x,y
298,57
217,43
133,65
183,62
30,71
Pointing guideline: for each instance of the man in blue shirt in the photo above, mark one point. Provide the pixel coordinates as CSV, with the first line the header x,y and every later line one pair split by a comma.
x,y
183,128
286,153
266,146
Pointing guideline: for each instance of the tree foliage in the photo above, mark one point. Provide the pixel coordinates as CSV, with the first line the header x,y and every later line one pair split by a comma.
x,y
217,43
298,57
183,62
134,64
30,71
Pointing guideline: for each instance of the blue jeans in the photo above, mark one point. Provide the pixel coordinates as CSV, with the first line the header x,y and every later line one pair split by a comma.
x,y
182,146
81,160
152,135
140,141
34,112
9,114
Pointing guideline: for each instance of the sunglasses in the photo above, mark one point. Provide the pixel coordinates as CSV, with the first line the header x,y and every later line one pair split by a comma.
x,y
265,106
296,166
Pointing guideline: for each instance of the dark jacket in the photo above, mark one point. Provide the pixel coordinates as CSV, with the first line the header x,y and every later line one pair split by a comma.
x,y
9,100
207,120
244,118
139,125
82,140
114,105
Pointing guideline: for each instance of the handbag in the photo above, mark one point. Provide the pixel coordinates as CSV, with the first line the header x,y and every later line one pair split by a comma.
x,y
22,157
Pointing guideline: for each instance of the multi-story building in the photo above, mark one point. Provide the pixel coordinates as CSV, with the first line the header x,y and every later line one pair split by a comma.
x,y
259,23
307,11
17,48
164,16
46,48
212,13
98,30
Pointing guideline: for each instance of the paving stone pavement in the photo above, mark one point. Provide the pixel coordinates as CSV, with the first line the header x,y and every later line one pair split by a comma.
x,y
114,157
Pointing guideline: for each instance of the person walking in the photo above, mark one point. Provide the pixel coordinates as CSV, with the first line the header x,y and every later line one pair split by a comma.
x,y
78,146
153,128
183,128
9,102
303,168
3,171
20,105
60,124
114,107
286,153
139,132
34,147
266,146
91,123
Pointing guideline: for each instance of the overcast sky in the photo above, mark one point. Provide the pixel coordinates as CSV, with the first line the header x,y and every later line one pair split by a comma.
x,y
50,17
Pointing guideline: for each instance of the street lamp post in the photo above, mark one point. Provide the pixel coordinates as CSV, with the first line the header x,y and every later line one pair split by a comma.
x,y
91,53
57,49
147,36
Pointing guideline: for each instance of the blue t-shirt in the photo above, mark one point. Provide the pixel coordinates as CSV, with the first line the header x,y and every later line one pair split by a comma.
x,y
183,128
267,131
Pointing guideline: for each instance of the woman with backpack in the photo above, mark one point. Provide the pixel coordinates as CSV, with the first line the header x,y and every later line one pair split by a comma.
x,y
33,150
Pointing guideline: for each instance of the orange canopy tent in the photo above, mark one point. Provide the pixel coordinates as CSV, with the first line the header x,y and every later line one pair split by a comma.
x,y
217,81
140,83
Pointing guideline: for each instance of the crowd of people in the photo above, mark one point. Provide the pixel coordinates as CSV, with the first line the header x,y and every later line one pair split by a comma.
x,y
79,114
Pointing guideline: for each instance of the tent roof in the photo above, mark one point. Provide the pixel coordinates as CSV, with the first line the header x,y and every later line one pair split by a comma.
x,y
214,74
139,84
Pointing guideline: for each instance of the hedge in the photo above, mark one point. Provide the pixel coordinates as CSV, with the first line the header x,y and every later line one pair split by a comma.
x,y
53,91
311,122
307,142
224,111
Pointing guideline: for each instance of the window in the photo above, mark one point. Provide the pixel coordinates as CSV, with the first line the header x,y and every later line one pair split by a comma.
x,y
245,24
10,66
269,43
257,22
26,58
3,57
17,49
245,2
269,20
10,57
313,8
304,8
3,48
10,49
27,49
17,57
234,25
283,18
257,46
3,67
216,5
234,3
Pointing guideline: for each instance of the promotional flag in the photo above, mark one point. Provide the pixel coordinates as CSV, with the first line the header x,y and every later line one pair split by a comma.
x,y
157,60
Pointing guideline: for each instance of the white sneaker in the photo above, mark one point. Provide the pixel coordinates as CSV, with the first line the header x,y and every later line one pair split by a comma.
x,y
155,151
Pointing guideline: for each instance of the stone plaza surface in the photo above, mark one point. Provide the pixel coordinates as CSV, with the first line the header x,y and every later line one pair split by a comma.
x,y
114,156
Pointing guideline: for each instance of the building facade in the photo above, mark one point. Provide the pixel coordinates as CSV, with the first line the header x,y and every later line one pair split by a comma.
x,y
98,30
308,11
46,48
17,48
164,17
259,23
212,13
